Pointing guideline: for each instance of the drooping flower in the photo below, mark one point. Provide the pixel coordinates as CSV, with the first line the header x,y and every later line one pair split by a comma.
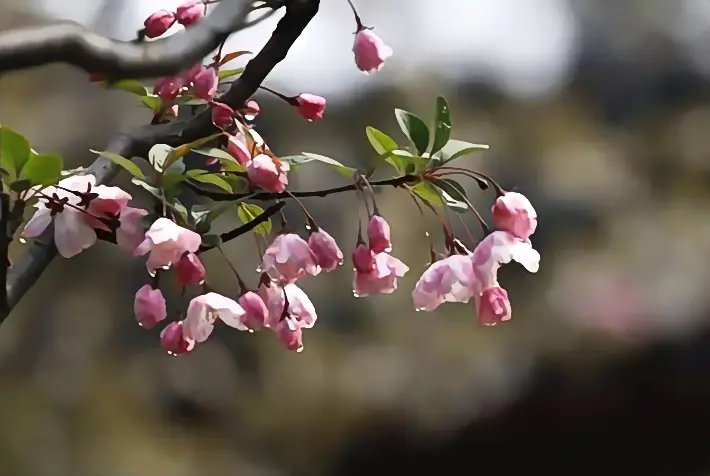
x,y
222,115
149,306
513,212
328,254
448,280
382,279
130,233
168,88
493,306
268,173
496,249
190,12
205,82
173,340
310,106
379,235
370,51
204,311
288,302
189,270
289,258
255,310
166,242
290,334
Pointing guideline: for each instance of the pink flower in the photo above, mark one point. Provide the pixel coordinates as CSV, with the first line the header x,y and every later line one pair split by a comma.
x,y
363,259
130,233
237,148
290,335
500,247
168,88
251,110
158,23
493,306
289,258
188,76
514,213
268,173
300,309
326,250
166,242
222,115
203,312
189,12
255,310
149,306
173,340
381,280
378,234
370,51
109,204
189,270
310,106
72,232
204,83
448,280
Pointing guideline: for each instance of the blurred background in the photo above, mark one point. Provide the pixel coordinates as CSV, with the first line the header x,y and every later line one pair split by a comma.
x,y
598,110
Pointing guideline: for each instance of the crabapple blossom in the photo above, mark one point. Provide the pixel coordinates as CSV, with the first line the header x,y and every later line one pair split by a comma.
x,y
370,51
237,148
204,83
363,259
149,306
166,241
158,23
287,302
130,233
190,270
289,258
379,234
500,247
251,110
173,340
222,115
310,106
513,212
168,88
268,173
190,12
493,306
380,280
204,311
255,310
448,280
328,254
290,334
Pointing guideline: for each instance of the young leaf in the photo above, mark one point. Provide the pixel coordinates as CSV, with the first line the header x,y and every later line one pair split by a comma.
x,y
381,142
203,176
130,85
456,149
158,154
229,73
414,128
14,151
183,150
343,169
232,56
406,162
442,125
42,169
428,192
149,188
204,215
221,155
127,165
248,212
151,102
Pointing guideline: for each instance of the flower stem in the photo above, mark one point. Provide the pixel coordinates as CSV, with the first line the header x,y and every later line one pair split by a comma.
x,y
358,22
240,281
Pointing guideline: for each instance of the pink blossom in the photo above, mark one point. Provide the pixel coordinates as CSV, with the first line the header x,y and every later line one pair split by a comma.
x,y
500,247
363,259
289,258
168,88
328,254
493,306
222,115
158,23
204,83
166,242
203,312
514,213
300,309
379,235
149,306
370,51
255,310
310,106
72,232
188,76
130,233
189,270
237,148
109,204
381,280
251,110
268,173
290,334
189,12
448,280
173,340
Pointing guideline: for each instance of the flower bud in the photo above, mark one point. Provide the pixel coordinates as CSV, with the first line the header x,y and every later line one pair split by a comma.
x,y
326,250
251,110
310,106
370,51
204,83
189,270
173,341
493,306
256,310
222,115
149,306
378,234
158,23
168,88
189,12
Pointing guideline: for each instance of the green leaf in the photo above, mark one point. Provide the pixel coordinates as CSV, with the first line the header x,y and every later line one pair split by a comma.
x,y
204,215
414,128
406,162
14,151
428,192
172,176
42,169
158,154
130,85
248,212
120,160
211,178
456,149
442,124
305,157
229,73
381,142
152,102
452,193
183,150
20,185
223,156
149,188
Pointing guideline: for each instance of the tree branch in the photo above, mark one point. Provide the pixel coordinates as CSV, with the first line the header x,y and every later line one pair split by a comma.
x,y
137,142
72,43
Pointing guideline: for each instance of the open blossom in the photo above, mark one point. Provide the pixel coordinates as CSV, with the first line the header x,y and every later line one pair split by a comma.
x,y
166,242
173,340
290,334
268,173
189,270
328,254
513,212
158,23
448,280
493,306
149,306
204,311
379,234
222,115
289,258
204,83
190,11
310,106
72,231
380,280
500,247
255,310
300,309
110,203
130,233
251,110
168,88
370,51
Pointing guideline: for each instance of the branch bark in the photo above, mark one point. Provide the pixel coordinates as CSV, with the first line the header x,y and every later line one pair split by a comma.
x,y
137,142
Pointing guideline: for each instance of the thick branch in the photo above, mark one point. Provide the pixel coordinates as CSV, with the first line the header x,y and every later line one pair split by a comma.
x,y
23,274
72,43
